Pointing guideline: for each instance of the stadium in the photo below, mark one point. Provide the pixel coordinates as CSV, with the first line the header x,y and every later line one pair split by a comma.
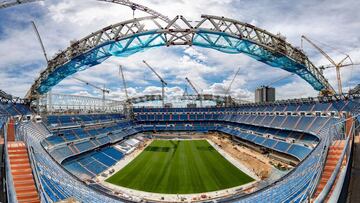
x,y
201,147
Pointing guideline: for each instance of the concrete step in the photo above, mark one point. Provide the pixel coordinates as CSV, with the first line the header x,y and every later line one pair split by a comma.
x,y
332,159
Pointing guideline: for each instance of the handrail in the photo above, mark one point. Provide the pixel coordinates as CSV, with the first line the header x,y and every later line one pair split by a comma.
x,y
321,161
11,192
324,193
326,190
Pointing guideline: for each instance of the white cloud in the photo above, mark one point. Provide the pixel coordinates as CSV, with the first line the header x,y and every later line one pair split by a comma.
x,y
64,20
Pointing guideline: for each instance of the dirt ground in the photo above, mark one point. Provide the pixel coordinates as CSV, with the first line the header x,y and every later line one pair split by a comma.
x,y
142,145
251,159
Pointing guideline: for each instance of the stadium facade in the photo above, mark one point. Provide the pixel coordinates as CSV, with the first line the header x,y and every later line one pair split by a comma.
x,y
66,152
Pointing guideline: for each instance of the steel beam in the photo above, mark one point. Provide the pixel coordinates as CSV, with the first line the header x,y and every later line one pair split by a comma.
x,y
219,33
6,4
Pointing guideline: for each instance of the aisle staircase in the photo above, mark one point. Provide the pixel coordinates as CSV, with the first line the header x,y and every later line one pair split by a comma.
x,y
21,173
11,131
334,154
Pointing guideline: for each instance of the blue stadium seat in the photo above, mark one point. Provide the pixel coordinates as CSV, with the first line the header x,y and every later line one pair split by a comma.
x,y
290,122
281,146
269,143
84,146
278,120
298,151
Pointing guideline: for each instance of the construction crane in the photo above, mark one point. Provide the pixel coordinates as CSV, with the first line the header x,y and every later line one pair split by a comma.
x,y
49,95
279,79
40,41
332,66
337,65
124,82
195,90
232,81
163,83
103,90
127,104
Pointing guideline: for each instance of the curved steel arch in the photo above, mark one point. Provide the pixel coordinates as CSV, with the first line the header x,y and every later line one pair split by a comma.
x,y
219,33
140,7
203,97
6,4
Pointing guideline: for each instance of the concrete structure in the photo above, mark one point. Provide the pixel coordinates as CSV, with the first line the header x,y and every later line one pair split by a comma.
x,y
265,94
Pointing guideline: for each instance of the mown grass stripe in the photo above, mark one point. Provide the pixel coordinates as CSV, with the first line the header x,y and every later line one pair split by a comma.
x,y
179,167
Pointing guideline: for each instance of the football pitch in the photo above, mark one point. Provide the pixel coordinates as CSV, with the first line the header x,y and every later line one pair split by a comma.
x,y
179,167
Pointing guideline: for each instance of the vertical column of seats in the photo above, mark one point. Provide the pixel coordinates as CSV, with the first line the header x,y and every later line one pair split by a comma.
x,y
297,123
309,126
286,117
323,125
270,124
261,121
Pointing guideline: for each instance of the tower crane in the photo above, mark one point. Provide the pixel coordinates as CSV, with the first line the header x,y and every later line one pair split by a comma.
x,y
195,90
127,105
343,65
163,83
124,82
185,91
232,81
49,106
40,41
103,90
336,65
279,79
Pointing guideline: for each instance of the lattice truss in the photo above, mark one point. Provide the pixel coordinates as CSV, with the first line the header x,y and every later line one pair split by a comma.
x,y
5,4
65,101
207,97
223,34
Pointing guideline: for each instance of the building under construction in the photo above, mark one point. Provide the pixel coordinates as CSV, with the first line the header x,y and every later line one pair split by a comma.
x,y
264,94
71,148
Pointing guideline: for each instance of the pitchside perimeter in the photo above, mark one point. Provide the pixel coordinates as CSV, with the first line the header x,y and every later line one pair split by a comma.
x,y
179,167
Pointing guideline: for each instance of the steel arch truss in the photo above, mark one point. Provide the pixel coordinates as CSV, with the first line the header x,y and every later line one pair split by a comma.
x,y
9,3
207,97
219,33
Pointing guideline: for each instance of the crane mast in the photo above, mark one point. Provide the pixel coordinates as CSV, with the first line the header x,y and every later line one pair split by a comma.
x,y
124,82
337,65
163,83
49,95
127,104
232,81
281,78
40,41
195,90
103,90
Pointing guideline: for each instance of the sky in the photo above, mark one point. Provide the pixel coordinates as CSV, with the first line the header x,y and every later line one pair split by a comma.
x,y
333,25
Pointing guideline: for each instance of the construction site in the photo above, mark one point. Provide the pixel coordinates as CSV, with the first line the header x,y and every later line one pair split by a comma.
x,y
148,101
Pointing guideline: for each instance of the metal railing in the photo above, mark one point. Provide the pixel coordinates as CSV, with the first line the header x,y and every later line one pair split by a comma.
x,y
345,155
11,192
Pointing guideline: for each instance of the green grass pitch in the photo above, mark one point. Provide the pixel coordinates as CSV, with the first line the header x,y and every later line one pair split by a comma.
x,y
179,167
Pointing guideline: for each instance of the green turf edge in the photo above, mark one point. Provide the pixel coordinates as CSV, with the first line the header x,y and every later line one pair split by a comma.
x,y
179,167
